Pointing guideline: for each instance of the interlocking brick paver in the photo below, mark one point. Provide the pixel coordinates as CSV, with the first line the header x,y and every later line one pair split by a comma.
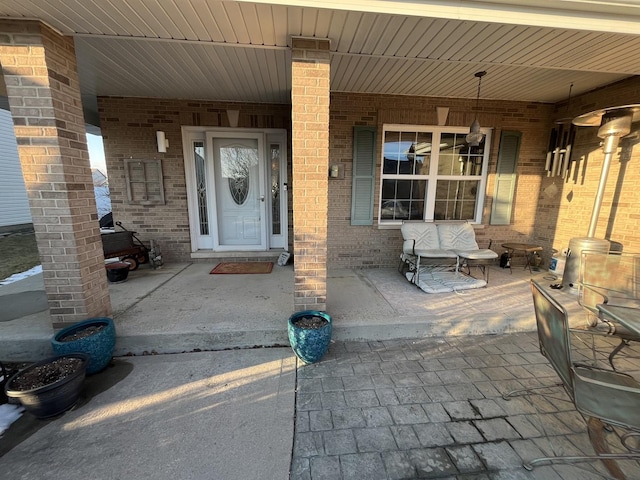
x,y
330,400
487,407
525,425
460,410
382,381
378,439
308,401
339,442
408,414
361,398
405,436
308,444
436,412
407,395
438,393
431,365
429,378
475,375
433,434
320,420
398,465
464,391
498,373
368,368
498,455
406,380
383,420
454,363
409,366
309,385
362,465
496,429
300,469
325,468
348,418
432,462
377,416
452,376
464,432
302,422
332,384
357,382
465,459
387,396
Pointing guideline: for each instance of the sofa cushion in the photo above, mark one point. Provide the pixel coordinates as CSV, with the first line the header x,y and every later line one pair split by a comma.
x,y
457,236
481,254
420,235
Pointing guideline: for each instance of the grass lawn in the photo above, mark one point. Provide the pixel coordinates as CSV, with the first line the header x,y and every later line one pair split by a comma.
x,y
18,253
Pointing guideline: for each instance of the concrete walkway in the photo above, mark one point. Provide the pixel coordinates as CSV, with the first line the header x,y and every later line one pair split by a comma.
x,y
210,415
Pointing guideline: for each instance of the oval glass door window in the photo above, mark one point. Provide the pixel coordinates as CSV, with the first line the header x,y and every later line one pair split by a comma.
x,y
237,163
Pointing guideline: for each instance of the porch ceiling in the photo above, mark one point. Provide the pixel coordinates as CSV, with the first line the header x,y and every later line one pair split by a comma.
x,y
238,50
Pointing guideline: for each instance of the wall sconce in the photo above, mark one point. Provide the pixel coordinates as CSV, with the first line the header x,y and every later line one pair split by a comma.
x,y
443,113
233,115
163,143
336,171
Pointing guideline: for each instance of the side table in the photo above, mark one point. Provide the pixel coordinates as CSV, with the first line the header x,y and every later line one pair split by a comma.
x,y
525,248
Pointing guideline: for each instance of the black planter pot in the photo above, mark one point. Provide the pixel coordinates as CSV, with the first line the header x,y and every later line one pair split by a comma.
x,y
99,346
52,399
309,344
117,272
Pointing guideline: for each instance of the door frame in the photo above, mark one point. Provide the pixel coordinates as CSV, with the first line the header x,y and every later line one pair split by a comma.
x,y
265,136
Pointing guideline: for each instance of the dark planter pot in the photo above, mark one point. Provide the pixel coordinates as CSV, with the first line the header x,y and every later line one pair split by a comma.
x,y
52,399
99,346
117,272
309,344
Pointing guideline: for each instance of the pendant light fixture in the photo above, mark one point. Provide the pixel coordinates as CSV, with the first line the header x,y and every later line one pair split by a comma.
x,y
475,136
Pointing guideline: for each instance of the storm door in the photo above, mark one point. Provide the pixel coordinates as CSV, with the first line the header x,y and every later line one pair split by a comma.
x,y
240,199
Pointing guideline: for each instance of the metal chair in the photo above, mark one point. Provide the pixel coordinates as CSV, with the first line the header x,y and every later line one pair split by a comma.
x,y
609,396
608,278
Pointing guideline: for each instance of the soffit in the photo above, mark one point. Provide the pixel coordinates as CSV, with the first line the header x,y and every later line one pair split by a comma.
x,y
238,51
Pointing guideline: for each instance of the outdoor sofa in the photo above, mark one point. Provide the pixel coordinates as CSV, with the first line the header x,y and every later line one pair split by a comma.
x,y
442,244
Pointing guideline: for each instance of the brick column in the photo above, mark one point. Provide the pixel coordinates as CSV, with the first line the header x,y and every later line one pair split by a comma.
x,y
310,71
40,73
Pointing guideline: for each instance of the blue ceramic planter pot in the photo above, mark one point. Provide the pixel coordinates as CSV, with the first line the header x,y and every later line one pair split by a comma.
x,y
99,346
52,399
309,344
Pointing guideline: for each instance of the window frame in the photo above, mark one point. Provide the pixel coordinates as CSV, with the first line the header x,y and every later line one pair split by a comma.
x,y
436,131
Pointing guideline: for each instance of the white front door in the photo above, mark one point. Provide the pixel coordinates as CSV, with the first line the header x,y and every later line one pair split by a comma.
x,y
240,201
236,189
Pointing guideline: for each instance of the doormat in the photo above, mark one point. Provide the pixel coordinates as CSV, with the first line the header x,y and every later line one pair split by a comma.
x,y
242,267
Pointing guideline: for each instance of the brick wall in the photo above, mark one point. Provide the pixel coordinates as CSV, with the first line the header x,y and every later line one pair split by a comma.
x,y
129,128
567,214
370,246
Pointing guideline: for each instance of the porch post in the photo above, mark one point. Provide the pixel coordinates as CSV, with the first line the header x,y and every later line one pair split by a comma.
x,y
40,74
310,152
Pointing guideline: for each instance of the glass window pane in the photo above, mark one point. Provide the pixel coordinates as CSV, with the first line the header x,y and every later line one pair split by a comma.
x,y
275,189
391,152
403,199
456,199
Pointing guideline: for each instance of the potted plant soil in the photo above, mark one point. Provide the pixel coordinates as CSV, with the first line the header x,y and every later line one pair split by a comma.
x,y
96,337
310,334
49,387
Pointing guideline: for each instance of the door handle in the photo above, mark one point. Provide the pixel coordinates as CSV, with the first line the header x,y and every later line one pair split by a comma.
x,y
262,198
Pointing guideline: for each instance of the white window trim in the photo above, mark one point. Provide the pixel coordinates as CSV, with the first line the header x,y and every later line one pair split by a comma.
x,y
430,200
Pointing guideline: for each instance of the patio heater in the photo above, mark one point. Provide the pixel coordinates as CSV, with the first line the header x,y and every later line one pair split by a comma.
x,y
615,123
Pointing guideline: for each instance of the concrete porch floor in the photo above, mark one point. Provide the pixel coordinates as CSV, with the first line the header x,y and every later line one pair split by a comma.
x,y
182,308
